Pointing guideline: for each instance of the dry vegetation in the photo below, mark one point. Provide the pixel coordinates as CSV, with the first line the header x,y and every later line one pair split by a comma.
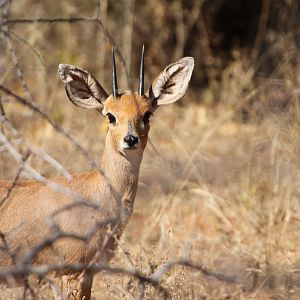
x,y
220,180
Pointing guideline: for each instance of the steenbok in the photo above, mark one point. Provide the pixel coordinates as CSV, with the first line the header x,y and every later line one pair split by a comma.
x,y
87,232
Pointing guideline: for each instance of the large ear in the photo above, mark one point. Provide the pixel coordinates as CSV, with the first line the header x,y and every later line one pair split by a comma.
x,y
82,88
171,84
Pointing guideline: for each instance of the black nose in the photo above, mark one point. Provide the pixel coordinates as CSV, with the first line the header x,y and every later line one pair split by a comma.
x,y
131,140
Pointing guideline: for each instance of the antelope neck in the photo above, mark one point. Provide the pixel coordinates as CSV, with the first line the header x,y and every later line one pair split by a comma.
x,y
121,171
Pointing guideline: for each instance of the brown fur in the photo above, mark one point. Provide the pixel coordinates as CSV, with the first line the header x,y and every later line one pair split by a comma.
x,y
23,217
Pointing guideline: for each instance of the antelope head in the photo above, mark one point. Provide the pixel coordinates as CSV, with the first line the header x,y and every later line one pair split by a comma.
x,y
127,114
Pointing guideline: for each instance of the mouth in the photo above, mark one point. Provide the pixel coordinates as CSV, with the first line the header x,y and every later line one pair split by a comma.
x,y
130,147
126,147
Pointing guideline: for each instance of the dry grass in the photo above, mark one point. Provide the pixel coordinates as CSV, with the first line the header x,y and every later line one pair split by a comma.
x,y
232,195
227,190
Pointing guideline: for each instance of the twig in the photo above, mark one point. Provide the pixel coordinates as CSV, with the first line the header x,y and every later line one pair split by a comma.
x,y
27,287
75,20
55,287
43,270
4,2
16,64
60,130
48,242
6,248
50,160
56,127
4,31
48,20
16,179
97,9
97,257
32,173
163,269
13,35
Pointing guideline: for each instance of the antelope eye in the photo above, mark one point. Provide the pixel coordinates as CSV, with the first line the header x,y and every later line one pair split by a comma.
x,y
146,117
111,118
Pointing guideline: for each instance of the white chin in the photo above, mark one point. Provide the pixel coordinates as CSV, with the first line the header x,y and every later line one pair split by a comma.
x,y
125,148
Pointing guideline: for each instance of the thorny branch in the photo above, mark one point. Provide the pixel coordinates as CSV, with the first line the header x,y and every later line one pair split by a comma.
x,y
155,280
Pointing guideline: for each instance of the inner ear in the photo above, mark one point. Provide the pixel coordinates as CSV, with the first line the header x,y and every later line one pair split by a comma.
x,y
81,87
172,83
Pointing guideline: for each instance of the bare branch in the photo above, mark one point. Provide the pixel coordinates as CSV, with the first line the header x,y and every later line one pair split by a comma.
x,y
56,127
43,270
16,179
13,35
33,174
51,21
53,162
163,269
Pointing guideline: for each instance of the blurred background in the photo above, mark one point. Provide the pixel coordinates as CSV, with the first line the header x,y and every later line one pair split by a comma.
x,y
220,174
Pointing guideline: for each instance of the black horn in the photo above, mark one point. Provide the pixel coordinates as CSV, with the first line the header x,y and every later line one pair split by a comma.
x,y
114,75
141,80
